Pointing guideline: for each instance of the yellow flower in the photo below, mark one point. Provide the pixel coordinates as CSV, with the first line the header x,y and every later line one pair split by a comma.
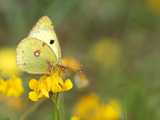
x,y
71,63
3,86
89,103
106,52
91,108
154,6
11,87
109,111
48,84
75,118
8,62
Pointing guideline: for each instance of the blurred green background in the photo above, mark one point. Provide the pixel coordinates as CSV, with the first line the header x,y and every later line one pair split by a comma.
x,y
117,41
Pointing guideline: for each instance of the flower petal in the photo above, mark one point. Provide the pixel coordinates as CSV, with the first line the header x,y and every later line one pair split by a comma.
x,y
33,96
33,84
68,84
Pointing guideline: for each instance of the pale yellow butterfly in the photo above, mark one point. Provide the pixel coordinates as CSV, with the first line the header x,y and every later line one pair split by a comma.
x,y
40,51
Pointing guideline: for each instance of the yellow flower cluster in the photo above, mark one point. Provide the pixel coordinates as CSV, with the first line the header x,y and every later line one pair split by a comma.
x,y
8,62
11,87
90,108
48,84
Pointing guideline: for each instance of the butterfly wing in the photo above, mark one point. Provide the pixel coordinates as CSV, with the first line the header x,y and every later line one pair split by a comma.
x,y
35,56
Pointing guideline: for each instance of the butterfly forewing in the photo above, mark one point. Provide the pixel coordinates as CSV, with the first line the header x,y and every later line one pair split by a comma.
x,y
44,31
35,56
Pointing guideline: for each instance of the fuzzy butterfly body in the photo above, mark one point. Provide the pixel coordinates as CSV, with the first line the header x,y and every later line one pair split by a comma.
x,y
40,51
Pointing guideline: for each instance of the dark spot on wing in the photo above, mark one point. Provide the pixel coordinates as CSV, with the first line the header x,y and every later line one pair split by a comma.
x,y
51,42
43,44
37,53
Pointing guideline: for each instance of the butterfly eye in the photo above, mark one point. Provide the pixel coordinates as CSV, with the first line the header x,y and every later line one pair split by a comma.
x,y
51,42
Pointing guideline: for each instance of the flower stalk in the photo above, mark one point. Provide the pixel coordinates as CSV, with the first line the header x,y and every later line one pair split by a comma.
x,y
56,111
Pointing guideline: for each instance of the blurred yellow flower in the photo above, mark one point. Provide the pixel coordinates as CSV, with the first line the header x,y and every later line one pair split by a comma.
x,y
11,87
89,103
75,118
74,65
91,108
8,62
71,63
48,84
154,6
106,52
109,111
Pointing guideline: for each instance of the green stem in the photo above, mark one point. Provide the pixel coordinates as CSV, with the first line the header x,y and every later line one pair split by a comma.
x,y
56,101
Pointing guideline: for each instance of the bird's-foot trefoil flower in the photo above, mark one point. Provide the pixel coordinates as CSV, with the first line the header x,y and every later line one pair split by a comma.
x,y
48,85
11,87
